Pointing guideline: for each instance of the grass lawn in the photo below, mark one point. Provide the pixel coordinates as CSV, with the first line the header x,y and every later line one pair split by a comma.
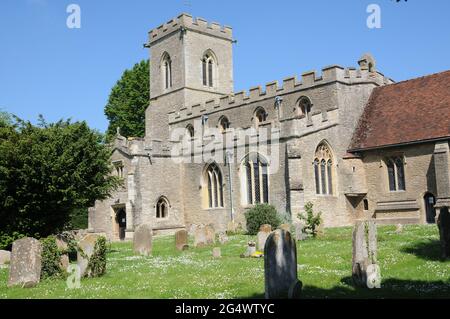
x,y
409,263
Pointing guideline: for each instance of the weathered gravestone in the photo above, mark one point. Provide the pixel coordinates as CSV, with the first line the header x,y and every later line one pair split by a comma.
x,y
365,270
181,240
26,263
300,234
280,266
223,238
261,237
199,236
285,227
87,245
210,235
204,235
5,257
142,240
443,223
217,253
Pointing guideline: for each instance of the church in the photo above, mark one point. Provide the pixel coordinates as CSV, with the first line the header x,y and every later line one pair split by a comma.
x,y
347,139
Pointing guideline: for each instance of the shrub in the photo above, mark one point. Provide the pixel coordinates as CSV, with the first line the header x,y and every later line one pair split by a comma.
x,y
51,258
6,240
312,221
97,262
259,215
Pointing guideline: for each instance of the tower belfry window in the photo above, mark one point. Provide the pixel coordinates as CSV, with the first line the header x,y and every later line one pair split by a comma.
x,y
208,69
167,71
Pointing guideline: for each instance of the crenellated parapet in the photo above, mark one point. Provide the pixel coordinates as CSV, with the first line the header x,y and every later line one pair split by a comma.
x,y
187,22
309,80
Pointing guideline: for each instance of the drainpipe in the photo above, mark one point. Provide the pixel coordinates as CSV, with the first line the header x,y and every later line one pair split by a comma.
x,y
230,182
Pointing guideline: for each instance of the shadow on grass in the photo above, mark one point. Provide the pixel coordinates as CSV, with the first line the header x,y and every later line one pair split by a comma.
x,y
391,288
428,250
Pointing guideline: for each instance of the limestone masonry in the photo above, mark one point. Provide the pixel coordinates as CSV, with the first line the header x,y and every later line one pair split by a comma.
x,y
285,145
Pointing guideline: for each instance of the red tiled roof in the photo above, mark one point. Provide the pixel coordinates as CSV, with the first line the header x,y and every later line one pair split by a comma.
x,y
405,112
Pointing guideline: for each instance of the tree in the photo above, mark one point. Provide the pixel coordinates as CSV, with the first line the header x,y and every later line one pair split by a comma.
x,y
128,100
47,171
5,118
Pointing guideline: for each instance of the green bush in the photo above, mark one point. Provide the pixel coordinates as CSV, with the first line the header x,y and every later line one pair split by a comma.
x,y
97,262
51,258
6,240
312,221
259,215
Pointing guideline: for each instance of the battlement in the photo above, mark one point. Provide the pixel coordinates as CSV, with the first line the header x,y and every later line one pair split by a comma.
x,y
310,79
187,22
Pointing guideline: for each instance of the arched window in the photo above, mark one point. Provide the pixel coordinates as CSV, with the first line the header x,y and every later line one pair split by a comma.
x,y
396,174
323,175
190,132
213,178
303,108
208,69
162,208
259,116
224,124
167,70
256,179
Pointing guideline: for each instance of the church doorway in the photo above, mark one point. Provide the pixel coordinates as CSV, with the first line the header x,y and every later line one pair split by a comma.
x,y
430,211
121,222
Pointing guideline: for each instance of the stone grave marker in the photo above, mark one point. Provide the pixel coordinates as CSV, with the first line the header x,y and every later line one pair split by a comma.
x,y
181,240
25,263
280,266
142,240
365,270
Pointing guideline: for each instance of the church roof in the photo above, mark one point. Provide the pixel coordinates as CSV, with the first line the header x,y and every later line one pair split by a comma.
x,y
405,112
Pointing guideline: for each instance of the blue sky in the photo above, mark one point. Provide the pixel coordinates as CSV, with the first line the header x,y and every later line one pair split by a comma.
x,y
47,68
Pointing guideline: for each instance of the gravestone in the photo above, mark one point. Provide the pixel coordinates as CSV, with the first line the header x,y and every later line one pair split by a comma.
x,y
142,240
365,270
399,229
223,238
200,236
261,237
216,252
300,234
26,263
280,266
285,227
210,234
5,257
443,223
181,240
87,245
64,262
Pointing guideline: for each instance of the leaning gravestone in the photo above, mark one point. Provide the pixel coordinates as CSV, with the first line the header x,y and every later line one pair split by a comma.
x,y
26,263
142,240
365,270
443,224
261,237
181,240
280,266
5,257
87,245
